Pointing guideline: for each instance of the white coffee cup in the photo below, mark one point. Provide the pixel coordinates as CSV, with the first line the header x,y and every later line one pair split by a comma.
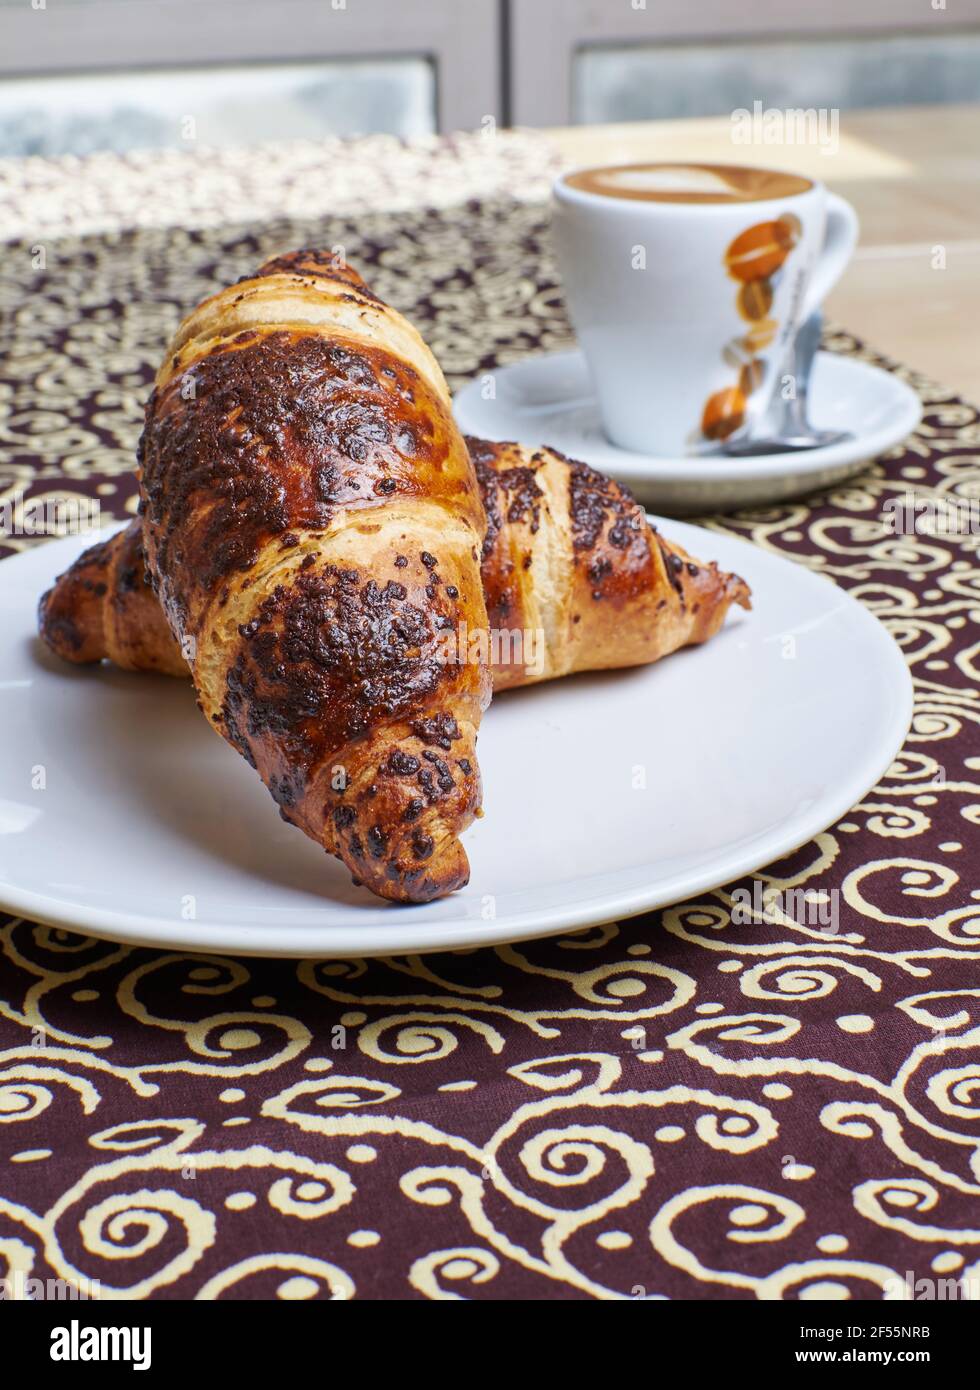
x,y
686,285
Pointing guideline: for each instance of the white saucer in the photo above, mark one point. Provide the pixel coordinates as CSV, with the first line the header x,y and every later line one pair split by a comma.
x,y
122,815
550,400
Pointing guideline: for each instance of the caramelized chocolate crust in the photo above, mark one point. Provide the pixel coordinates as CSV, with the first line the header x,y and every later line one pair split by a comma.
x,y
312,525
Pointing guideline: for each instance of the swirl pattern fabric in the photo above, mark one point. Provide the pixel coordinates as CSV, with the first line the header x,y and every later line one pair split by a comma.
x,y
714,1101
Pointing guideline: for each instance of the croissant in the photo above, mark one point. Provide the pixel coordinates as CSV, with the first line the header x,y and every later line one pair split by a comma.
x,y
312,526
103,608
563,545
570,558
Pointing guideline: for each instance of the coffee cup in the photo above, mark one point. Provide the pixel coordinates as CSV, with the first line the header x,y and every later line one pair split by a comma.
x,y
686,285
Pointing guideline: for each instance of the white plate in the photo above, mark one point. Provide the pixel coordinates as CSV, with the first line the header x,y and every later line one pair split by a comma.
x,y
747,750
550,400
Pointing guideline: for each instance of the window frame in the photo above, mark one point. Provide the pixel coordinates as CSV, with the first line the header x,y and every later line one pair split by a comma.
x,y
462,40
546,34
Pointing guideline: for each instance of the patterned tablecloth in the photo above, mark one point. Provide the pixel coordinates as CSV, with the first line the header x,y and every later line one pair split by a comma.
x,y
700,1103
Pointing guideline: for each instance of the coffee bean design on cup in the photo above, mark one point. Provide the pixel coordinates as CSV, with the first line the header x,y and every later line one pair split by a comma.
x,y
755,299
754,259
665,265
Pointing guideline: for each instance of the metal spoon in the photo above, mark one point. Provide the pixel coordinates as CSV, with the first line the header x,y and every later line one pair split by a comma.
x,y
784,426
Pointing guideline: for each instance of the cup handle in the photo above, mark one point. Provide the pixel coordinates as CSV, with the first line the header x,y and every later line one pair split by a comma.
x,y
840,239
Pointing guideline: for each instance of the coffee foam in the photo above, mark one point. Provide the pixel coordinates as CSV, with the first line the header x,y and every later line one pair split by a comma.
x,y
688,183
679,180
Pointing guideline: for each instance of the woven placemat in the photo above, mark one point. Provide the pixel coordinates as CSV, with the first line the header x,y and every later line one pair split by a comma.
x,y
712,1101
101,194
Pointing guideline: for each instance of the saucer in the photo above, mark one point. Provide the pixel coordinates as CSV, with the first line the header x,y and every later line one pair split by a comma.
x,y
550,400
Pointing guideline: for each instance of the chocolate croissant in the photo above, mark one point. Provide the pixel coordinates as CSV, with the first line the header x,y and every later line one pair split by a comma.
x,y
312,528
570,558
574,577
103,608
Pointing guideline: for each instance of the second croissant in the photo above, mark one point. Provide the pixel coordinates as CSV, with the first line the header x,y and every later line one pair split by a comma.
x,y
574,577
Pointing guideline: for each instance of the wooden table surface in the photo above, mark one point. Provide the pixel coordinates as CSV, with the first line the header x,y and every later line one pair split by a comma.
x,y
912,173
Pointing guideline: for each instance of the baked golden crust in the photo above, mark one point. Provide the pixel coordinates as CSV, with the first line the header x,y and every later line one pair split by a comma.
x,y
312,525
564,547
103,608
569,557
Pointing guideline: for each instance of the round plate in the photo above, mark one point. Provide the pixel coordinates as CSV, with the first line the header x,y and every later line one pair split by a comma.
x,y
551,398
122,815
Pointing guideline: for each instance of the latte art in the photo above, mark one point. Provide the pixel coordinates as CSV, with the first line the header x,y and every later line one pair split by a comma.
x,y
688,183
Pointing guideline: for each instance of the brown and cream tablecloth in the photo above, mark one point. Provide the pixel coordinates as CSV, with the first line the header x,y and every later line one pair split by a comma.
x,y
698,1103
